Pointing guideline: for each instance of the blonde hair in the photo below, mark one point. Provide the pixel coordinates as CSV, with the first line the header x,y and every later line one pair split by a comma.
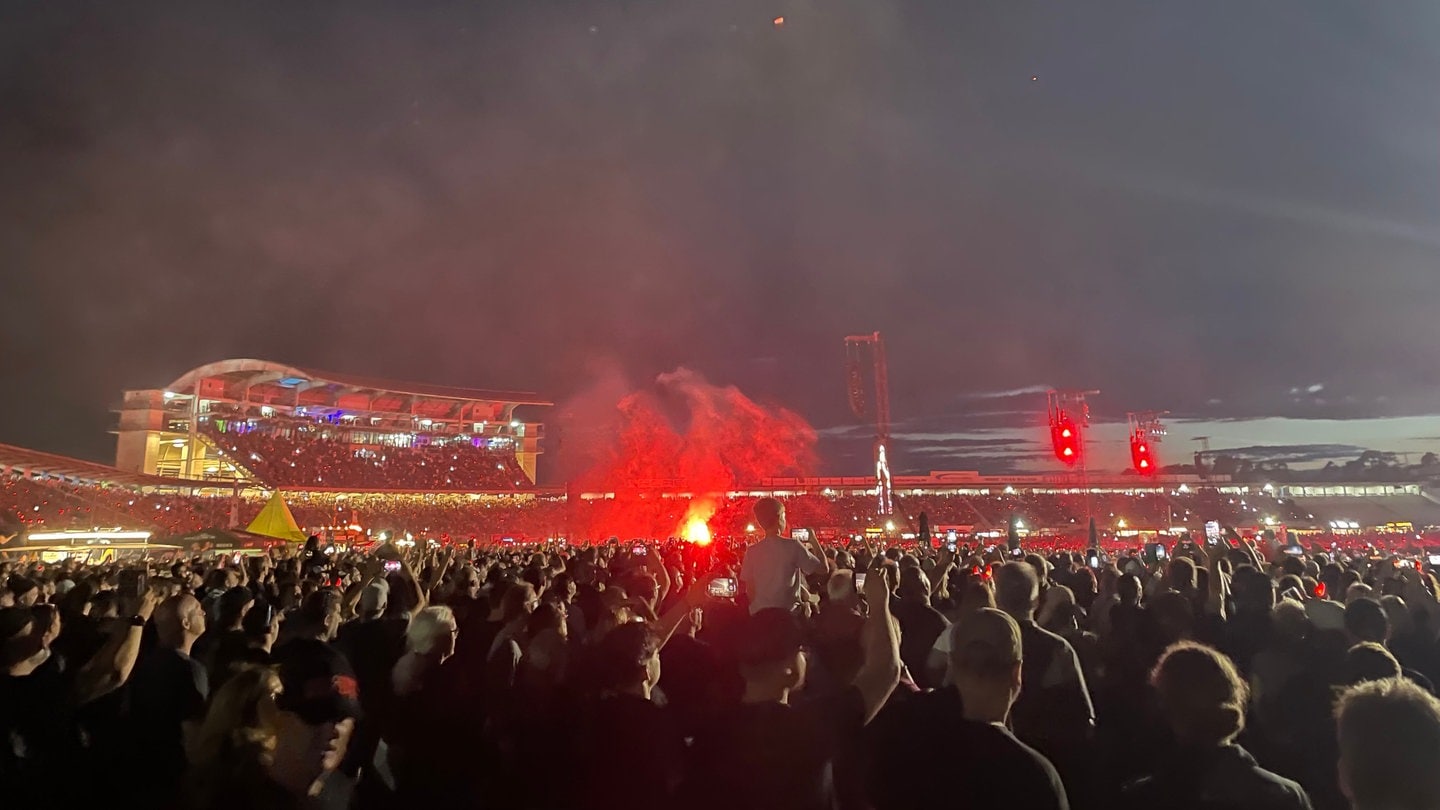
x,y
236,739
428,627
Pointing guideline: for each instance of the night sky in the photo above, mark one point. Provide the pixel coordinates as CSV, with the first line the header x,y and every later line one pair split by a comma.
x,y
1229,210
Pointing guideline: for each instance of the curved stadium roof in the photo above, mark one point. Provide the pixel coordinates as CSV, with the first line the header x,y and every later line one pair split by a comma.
x,y
251,373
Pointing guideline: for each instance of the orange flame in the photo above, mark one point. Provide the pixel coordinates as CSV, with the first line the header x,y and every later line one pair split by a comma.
x,y
694,528
697,532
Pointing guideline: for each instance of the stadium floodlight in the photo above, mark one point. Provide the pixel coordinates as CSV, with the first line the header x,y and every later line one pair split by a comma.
x,y
1065,435
1141,456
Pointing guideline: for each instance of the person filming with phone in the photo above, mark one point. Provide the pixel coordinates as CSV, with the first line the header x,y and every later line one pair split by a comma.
x,y
773,569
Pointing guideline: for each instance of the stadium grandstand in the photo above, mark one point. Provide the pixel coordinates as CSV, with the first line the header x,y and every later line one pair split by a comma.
x,y
255,422
41,492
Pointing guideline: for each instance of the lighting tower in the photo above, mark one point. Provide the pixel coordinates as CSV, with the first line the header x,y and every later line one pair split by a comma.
x,y
866,353
1069,417
1146,431
1200,456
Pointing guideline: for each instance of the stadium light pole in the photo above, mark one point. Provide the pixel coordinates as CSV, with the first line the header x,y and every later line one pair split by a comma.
x,y
1058,405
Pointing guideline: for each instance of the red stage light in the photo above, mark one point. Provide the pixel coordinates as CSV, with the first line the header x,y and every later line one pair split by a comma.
x,y
1140,455
1065,436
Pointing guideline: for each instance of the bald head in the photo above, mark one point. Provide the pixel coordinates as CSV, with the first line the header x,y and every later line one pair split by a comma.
x,y
985,646
179,621
770,515
1017,587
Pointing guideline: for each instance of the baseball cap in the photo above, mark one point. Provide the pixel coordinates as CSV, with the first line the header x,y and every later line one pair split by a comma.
x,y
14,620
985,643
318,683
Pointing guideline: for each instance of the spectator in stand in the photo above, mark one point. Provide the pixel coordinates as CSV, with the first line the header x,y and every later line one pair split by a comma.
x,y
773,570
964,726
1389,734
1204,702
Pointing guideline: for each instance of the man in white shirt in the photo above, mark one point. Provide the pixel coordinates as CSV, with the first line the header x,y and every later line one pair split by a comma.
x,y
772,571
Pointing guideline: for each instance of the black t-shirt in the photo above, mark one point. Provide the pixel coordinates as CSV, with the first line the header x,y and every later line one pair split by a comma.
x,y
225,649
203,650
167,689
37,731
230,656
920,626
1222,778
761,756
636,731
692,681
925,754
373,646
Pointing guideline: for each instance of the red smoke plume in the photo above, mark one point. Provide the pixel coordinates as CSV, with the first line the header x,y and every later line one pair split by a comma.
x,y
685,436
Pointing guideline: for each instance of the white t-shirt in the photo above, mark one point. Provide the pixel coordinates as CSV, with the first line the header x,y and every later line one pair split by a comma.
x,y
772,569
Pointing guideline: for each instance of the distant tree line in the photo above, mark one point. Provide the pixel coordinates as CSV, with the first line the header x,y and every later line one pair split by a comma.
x,y
1371,465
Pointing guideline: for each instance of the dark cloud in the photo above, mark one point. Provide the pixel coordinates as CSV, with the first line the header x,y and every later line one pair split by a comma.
x,y
1297,454
1196,207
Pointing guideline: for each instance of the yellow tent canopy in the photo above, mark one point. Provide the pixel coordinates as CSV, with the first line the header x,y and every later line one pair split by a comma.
x,y
276,521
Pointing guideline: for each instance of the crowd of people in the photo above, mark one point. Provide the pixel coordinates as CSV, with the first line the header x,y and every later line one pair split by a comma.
x,y
770,673
302,454
59,505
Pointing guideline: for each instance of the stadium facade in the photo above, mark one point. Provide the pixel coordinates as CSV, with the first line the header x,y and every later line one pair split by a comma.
x,y
171,432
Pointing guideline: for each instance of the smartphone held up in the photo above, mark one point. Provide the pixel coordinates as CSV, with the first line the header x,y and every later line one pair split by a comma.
x,y
724,588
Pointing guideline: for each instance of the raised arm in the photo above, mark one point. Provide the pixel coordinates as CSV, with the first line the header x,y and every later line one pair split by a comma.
x,y
881,671
681,610
111,666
